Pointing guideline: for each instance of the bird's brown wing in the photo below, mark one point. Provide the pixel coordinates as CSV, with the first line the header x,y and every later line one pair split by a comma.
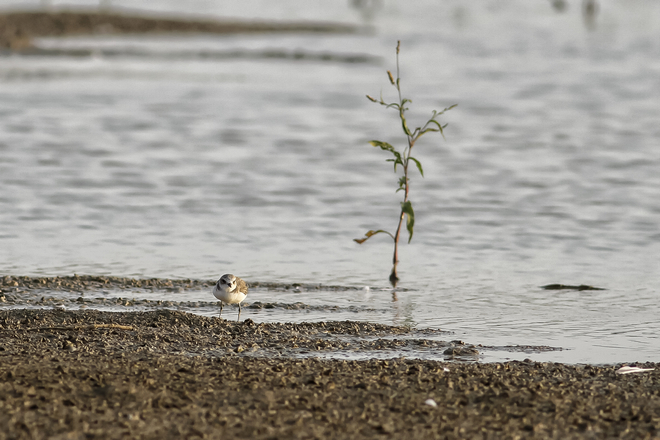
x,y
242,286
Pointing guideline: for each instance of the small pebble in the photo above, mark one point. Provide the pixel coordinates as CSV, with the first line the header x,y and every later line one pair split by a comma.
x,y
627,370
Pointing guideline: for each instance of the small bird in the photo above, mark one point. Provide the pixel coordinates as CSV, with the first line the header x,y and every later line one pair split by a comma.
x,y
231,290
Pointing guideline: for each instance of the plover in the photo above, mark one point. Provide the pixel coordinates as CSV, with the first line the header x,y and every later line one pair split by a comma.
x,y
230,290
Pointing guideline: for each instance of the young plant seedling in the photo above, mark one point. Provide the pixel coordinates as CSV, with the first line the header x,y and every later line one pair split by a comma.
x,y
403,159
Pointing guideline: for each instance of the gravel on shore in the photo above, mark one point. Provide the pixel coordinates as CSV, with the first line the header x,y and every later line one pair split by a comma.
x,y
9,283
80,283
167,374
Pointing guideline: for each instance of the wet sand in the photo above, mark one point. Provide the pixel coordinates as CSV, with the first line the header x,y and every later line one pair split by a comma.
x,y
17,29
167,374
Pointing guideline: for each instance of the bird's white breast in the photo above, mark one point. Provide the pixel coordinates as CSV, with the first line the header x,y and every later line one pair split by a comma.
x,y
227,296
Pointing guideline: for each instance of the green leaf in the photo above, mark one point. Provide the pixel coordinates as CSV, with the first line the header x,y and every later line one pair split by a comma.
x,y
387,147
383,145
370,234
406,207
402,183
435,122
419,165
404,124
440,127
435,113
427,130
396,161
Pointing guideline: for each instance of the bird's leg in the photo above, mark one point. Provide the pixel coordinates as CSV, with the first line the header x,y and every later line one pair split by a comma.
x,y
220,315
239,312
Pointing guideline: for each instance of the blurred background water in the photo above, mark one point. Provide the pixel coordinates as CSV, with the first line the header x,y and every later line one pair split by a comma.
x,y
183,166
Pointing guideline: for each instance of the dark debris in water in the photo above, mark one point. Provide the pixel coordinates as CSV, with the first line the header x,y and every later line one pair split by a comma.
x,y
167,374
568,287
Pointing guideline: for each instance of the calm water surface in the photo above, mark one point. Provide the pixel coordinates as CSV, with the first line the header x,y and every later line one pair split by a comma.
x,y
164,165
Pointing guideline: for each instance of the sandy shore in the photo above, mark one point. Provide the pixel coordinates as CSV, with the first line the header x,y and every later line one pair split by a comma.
x,y
17,29
166,374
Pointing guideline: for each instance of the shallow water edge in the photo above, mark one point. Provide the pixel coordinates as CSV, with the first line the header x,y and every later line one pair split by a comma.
x,y
349,339
328,334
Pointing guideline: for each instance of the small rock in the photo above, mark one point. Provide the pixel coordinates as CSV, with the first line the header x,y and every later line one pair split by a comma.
x,y
628,369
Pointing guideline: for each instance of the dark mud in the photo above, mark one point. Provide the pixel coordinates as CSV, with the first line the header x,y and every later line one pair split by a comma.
x,y
17,29
38,291
81,283
199,335
167,374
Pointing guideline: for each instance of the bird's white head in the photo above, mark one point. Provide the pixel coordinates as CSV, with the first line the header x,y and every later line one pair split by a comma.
x,y
226,283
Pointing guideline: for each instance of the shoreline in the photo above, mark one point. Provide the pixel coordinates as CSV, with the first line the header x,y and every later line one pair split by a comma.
x,y
112,294
13,283
167,374
19,28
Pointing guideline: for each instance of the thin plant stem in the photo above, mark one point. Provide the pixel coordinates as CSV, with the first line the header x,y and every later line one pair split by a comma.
x,y
403,159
